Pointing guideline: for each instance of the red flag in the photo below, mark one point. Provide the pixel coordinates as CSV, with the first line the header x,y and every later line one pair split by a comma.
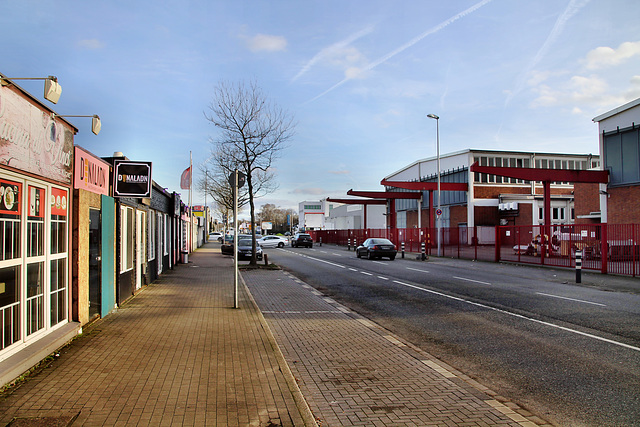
x,y
185,179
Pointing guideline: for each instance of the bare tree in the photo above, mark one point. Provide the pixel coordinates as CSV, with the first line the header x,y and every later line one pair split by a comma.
x,y
214,183
253,133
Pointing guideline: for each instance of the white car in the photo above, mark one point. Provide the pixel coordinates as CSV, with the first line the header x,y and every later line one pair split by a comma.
x,y
272,242
215,236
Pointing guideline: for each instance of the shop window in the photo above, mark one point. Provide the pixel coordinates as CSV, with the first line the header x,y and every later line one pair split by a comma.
x,y
35,222
10,202
35,297
58,296
165,238
152,236
126,238
10,305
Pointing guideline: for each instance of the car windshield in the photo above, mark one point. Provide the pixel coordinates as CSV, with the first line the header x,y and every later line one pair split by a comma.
x,y
244,242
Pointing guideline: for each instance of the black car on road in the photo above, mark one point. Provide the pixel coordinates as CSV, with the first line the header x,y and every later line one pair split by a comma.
x,y
377,248
302,239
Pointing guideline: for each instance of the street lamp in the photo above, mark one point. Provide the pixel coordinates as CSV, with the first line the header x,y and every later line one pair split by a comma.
x,y
438,212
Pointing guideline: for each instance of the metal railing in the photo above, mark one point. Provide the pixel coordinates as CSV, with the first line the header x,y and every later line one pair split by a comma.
x,y
608,248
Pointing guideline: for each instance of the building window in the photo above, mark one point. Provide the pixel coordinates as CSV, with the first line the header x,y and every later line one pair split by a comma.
x,y
621,156
126,238
58,264
152,235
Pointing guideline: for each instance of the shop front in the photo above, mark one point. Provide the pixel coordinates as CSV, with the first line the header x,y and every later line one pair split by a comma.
x,y
36,158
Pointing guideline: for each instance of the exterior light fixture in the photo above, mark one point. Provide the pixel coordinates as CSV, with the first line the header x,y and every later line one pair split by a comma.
x,y
96,125
52,89
439,211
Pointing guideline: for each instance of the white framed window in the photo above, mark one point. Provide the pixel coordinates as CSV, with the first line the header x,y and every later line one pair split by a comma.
x,y
152,235
127,242
165,236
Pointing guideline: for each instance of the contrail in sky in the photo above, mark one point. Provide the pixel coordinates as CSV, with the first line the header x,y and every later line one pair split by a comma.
x,y
407,45
334,47
572,8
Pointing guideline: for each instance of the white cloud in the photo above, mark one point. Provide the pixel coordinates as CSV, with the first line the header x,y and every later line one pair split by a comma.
x,y
601,57
581,91
91,44
266,43
340,172
337,53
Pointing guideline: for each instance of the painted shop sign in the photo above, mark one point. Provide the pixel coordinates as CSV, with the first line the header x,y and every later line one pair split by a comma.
x,y
131,179
31,140
90,172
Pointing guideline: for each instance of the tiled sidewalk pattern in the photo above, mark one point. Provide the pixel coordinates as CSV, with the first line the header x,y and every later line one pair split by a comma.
x,y
176,354
354,372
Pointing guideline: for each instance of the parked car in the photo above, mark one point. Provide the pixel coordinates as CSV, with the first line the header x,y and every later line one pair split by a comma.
x,y
301,239
377,248
273,241
216,235
227,245
245,249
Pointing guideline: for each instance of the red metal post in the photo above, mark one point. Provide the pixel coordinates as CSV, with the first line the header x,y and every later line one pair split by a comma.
x,y
604,248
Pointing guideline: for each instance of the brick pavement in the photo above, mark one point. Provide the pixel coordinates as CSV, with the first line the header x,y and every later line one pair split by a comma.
x,y
175,354
353,372
178,354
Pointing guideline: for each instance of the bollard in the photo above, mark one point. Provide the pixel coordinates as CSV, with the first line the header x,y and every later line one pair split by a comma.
x,y
266,259
578,266
321,242
424,251
402,248
348,244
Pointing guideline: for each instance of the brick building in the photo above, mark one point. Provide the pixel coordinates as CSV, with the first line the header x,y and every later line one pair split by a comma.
x,y
619,135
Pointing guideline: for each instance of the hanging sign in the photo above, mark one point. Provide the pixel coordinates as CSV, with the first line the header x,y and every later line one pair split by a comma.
x,y
131,179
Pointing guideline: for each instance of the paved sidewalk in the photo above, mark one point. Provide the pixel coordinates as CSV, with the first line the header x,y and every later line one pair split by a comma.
x,y
354,372
176,354
179,354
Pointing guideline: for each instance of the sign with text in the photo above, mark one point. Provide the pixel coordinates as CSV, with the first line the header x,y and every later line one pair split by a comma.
x,y
131,179
32,140
90,172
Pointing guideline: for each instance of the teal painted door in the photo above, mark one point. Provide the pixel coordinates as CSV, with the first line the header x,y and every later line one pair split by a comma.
x,y
108,255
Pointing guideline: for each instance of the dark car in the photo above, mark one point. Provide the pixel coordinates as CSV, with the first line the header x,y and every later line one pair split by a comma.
x,y
245,249
227,245
377,248
301,239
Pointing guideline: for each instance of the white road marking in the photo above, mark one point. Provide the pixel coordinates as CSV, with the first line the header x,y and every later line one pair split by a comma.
x,y
571,299
471,280
368,274
563,328
416,269
383,278
379,262
352,269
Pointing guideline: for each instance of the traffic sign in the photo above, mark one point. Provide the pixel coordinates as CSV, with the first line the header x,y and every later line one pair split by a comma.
x,y
241,179
439,212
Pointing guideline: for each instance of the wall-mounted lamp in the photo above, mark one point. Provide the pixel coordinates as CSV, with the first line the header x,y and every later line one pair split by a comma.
x,y
52,89
96,125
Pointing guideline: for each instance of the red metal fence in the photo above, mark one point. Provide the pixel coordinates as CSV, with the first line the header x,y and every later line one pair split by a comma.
x,y
606,248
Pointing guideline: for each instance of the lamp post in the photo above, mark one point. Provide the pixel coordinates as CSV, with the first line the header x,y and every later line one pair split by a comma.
x,y
438,222
52,89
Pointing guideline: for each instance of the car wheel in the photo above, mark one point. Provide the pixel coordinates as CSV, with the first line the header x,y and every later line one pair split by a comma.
x,y
370,255
310,246
357,254
281,245
392,257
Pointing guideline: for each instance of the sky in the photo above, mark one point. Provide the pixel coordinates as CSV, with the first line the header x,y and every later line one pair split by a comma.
x,y
358,77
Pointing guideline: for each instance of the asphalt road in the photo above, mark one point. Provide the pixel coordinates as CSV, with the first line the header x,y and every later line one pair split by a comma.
x,y
568,353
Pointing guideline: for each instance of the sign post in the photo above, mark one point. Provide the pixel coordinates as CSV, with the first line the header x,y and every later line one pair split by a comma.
x,y
236,180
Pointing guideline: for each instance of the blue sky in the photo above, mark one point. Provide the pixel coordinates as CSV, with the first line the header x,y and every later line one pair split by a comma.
x,y
359,76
